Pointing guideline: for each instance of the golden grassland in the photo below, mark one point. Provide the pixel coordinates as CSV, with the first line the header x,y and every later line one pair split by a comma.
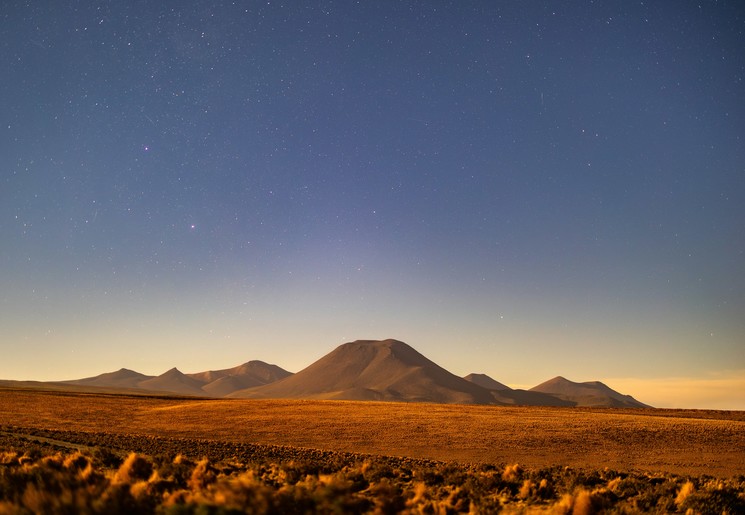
x,y
668,441
63,452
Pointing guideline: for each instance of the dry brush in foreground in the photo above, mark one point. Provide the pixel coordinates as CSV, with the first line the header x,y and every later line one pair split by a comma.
x,y
41,474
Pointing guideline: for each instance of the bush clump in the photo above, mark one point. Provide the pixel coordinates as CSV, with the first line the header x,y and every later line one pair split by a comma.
x,y
94,483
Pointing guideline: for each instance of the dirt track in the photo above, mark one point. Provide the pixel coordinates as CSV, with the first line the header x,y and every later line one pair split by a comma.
x,y
681,442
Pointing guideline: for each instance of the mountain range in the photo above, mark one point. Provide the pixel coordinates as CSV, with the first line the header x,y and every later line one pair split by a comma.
x,y
371,370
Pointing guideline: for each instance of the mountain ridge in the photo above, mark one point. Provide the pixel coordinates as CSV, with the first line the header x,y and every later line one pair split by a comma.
x,y
380,370
587,394
211,383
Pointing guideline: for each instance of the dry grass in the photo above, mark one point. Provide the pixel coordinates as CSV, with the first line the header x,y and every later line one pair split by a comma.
x,y
665,441
40,479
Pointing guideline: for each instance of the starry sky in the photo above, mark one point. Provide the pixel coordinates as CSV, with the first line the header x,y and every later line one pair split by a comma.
x,y
523,189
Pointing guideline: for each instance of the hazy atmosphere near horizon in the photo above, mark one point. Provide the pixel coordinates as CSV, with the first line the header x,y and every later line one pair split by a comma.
x,y
522,189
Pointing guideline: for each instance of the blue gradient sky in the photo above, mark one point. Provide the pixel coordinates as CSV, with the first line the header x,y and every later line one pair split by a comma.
x,y
524,189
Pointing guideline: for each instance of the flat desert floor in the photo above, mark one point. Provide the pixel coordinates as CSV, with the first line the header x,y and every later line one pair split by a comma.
x,y
685,442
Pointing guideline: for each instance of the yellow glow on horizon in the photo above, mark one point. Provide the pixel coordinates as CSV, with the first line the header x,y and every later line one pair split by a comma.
x,y
724,390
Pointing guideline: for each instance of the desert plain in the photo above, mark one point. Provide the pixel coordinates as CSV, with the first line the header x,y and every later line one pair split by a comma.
x,y
653,440
115,453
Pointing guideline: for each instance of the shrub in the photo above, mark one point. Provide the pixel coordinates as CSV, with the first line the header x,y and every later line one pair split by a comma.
x,y
78,482
134,467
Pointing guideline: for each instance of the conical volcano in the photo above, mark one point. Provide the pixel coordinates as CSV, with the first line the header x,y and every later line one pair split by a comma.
x,y
387,370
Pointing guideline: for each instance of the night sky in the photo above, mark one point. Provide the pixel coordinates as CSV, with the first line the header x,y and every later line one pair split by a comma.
x,y
523,189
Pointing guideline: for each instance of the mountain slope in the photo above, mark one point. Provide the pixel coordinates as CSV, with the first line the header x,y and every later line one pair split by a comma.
x,y
484,381
590,394
503,394
213,383
253,373
528,398
174,381
122,378
374,370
